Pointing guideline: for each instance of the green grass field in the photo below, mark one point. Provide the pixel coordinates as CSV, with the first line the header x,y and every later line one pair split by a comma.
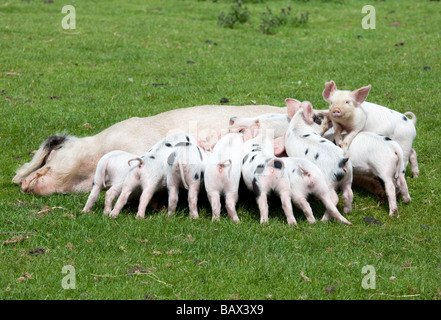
x,y
140,58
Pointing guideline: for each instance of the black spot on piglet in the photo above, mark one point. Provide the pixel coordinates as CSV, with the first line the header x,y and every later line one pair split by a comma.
x,y
278,164
171,159
182,144
339,175
259,168
256,188
342,163
245,158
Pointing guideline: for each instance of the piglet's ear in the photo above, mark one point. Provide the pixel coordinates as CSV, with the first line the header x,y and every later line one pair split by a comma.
x,y
308,113
361,94
279,145
293,106
329,90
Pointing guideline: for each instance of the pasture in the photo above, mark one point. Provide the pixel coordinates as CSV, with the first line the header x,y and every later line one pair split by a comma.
x,y
140,58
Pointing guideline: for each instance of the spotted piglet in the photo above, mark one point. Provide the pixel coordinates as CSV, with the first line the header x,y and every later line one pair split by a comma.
x,y
222,174
262,172
305,179
150,175
111,170
303,139
184,168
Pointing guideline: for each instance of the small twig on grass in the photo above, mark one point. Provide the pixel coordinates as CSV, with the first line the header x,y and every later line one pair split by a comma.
x,y
148,274
391,295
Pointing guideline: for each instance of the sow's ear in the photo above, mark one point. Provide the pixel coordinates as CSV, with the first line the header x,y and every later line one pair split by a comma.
x,y
293,106
329,90
361,94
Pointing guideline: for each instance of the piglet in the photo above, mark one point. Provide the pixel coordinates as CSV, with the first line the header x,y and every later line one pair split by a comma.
x,y
222,174
184,168
305,179
150,175
111,170
351,113
375,155
262,172
303,139
278,122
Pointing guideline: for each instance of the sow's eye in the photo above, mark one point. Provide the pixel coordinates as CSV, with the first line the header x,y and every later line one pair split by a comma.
x,y
347,101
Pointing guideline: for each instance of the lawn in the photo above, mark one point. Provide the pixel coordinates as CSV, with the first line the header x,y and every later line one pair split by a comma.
x,y
140,58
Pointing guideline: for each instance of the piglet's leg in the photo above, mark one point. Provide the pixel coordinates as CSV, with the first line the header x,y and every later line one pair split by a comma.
x,y
92,198
303,204
334,199
230,203
391,195
287,208
173,194
193,200
331,210
347,197
146,196
402,186
414,163
262,202
214,198
111,194
120,203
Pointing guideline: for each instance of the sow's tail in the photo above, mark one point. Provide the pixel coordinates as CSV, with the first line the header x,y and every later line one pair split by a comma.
x,y
40,157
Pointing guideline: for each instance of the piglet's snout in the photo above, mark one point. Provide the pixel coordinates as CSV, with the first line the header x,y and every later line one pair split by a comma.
x,y
336,112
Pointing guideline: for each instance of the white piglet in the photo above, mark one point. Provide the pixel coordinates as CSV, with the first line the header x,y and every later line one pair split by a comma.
x,y
377,155
112,169
303,139
222,174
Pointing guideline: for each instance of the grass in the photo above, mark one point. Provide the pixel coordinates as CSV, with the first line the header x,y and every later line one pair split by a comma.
x,y
140,58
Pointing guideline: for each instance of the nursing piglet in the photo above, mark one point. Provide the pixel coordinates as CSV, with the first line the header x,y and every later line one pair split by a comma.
x,y
150,175
111,170
262,172
303,139
380,156
184,169
222,174
305,179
